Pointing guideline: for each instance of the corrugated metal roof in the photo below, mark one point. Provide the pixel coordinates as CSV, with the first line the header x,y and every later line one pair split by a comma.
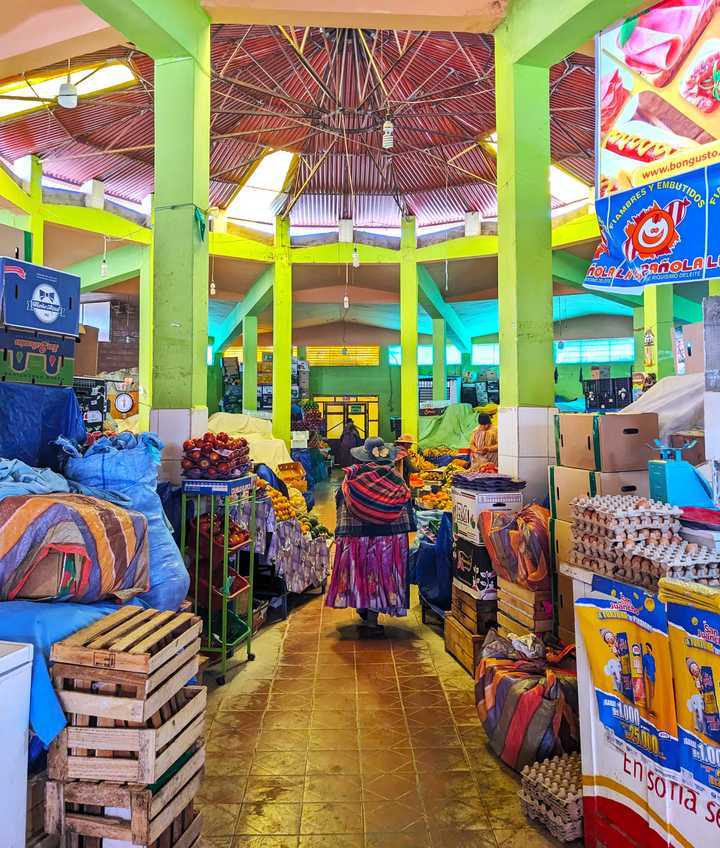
x,y
438,88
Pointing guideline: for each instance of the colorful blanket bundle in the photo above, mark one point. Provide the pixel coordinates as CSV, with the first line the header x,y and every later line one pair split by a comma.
x,y
528,710
374,493
519,545
71,547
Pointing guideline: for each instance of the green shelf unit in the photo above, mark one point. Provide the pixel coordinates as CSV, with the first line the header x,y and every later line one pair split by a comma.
x,y
225,629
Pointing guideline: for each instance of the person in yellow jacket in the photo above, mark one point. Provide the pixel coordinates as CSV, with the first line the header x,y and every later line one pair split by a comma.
x,y
483,443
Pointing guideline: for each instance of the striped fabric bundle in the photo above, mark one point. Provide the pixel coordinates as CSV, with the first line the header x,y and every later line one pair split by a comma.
x,y
102,548
374,493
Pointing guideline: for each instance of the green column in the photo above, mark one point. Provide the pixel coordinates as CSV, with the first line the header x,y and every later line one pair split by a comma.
x,y
145,344
182,156
524,229
408,328
639,336
249,362
282,332
713,288
34,238
658,308
439,377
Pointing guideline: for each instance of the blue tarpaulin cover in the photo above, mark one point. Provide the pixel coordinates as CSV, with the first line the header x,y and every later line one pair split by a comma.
x,y
433,565
33,417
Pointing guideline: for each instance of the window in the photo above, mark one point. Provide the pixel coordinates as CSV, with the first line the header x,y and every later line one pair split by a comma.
x,y
452,356
37,92
395,355
486,354
348,355
593,351
254,202
264,354
425,355
97,314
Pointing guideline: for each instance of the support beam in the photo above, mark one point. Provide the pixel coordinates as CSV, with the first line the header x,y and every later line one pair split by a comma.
x,y
525,258
98,221
409,409
433,303
282,332
256,301
34,241
439,376
639,336
540,34
249,386
123,263
658,309
145,344
465,247
13,192
340,253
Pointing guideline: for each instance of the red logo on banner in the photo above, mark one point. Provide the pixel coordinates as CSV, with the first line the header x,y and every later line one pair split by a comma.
x,y
15,269
602,245
653,232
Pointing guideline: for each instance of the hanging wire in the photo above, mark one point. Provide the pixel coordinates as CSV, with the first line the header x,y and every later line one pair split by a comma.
x,y
447,229
212,276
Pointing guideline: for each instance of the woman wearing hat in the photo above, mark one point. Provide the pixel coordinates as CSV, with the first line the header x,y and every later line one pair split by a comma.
x,y
374,517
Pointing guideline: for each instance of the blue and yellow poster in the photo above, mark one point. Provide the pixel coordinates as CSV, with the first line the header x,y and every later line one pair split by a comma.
x,y
625,634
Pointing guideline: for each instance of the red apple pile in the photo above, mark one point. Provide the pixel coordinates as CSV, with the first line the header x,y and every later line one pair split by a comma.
x,y
215,456
237,535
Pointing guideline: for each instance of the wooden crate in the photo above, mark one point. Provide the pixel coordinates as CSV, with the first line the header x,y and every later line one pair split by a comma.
x,y
462,644
125,754
137,814
35,807
128,665
474,615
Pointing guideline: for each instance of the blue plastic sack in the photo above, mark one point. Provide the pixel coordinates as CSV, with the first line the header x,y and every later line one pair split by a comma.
x,y
33,417
128,464
433,566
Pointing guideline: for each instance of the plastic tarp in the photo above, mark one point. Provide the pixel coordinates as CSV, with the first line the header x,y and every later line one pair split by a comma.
x,y
433,564
128,464
451,429
33,417
678,401
264,447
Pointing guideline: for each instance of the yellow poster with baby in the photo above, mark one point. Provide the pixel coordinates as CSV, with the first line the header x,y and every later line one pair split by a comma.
x,y
625,634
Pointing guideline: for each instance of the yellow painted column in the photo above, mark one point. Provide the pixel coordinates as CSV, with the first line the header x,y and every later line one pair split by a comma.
x,y
250,363
145,344
439,376
658,310
35,237
408,328
282,332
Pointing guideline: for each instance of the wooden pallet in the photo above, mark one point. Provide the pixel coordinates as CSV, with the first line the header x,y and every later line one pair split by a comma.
x,y
125,754
141,816
128,665
460,643
474,615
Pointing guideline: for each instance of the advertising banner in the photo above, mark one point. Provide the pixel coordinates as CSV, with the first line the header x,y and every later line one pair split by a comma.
x,y
658,95
33,297
625,634
695,651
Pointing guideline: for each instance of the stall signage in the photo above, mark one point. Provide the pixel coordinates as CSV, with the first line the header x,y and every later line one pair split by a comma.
x,y
625,633
658,95
39,298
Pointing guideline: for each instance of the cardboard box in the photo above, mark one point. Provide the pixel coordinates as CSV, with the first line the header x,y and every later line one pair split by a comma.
x,y
696,454
472,568
565,603
560,541
564,484
86,352
690,349
467,506
27,357
39,299
615,441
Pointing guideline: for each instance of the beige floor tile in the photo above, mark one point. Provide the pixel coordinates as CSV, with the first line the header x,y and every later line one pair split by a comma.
x,y
336,840
268,819
333,762
331,818
394,816
333,788
220,819
277,790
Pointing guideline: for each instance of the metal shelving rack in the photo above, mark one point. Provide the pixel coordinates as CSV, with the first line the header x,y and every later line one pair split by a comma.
x,y
207,496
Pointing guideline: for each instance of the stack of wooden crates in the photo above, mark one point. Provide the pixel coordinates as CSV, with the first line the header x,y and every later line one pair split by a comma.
x,y
596,455
127,767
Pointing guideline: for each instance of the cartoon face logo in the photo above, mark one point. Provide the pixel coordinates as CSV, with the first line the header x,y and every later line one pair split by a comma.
x,y
45,304
602,245
653,232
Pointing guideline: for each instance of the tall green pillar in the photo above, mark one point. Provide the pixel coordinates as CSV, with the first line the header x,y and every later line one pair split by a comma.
x,y
639,337
408,328
145,344
34,238
182,157
658,309
713,288
439,376
282,332
524,232
249,329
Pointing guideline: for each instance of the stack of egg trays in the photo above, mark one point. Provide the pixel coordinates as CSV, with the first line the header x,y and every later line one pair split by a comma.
x,y
544,799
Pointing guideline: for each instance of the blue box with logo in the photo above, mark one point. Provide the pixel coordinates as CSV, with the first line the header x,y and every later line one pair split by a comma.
x,y
40,299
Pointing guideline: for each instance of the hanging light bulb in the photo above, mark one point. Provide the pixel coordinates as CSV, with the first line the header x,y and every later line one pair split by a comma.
x,y
388,129
103,261
212,288
212,277
355,257
67,96
346,302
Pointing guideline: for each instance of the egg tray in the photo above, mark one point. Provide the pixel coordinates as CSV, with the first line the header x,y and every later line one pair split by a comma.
x,y
623,528
553,790
627,574
569,832
626,506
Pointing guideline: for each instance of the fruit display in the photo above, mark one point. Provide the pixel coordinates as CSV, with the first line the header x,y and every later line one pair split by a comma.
x,y
293,475
215,456
312,417
237,535
282,507
312,527
436,500
297,501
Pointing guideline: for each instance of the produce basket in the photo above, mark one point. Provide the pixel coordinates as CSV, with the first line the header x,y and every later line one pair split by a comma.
x,y
217,545
237,591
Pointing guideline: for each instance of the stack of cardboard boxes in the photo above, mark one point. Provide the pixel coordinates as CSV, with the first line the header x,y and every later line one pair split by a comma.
x,y
596,455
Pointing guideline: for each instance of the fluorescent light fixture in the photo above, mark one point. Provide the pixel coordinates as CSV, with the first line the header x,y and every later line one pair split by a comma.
x,y
22,96
210,356
254,202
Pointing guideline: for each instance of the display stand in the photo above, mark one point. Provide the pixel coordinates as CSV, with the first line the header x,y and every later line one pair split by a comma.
x,y
217,592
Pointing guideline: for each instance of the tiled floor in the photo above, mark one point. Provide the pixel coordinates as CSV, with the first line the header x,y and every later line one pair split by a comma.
x,y
330,741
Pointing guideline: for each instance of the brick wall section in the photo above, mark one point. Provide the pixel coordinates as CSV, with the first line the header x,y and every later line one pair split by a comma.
x,y
122,349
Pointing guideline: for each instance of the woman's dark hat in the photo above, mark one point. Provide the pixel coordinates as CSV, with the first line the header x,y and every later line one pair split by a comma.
x,y
375,450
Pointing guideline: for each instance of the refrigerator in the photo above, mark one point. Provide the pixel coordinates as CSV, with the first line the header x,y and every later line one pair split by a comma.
x,y
15,668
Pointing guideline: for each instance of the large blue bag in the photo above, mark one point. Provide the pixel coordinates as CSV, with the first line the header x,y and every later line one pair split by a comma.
x,y
127,464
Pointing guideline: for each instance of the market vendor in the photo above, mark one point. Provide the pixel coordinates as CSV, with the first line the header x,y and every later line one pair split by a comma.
x,y
483,443
349,439
404,463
